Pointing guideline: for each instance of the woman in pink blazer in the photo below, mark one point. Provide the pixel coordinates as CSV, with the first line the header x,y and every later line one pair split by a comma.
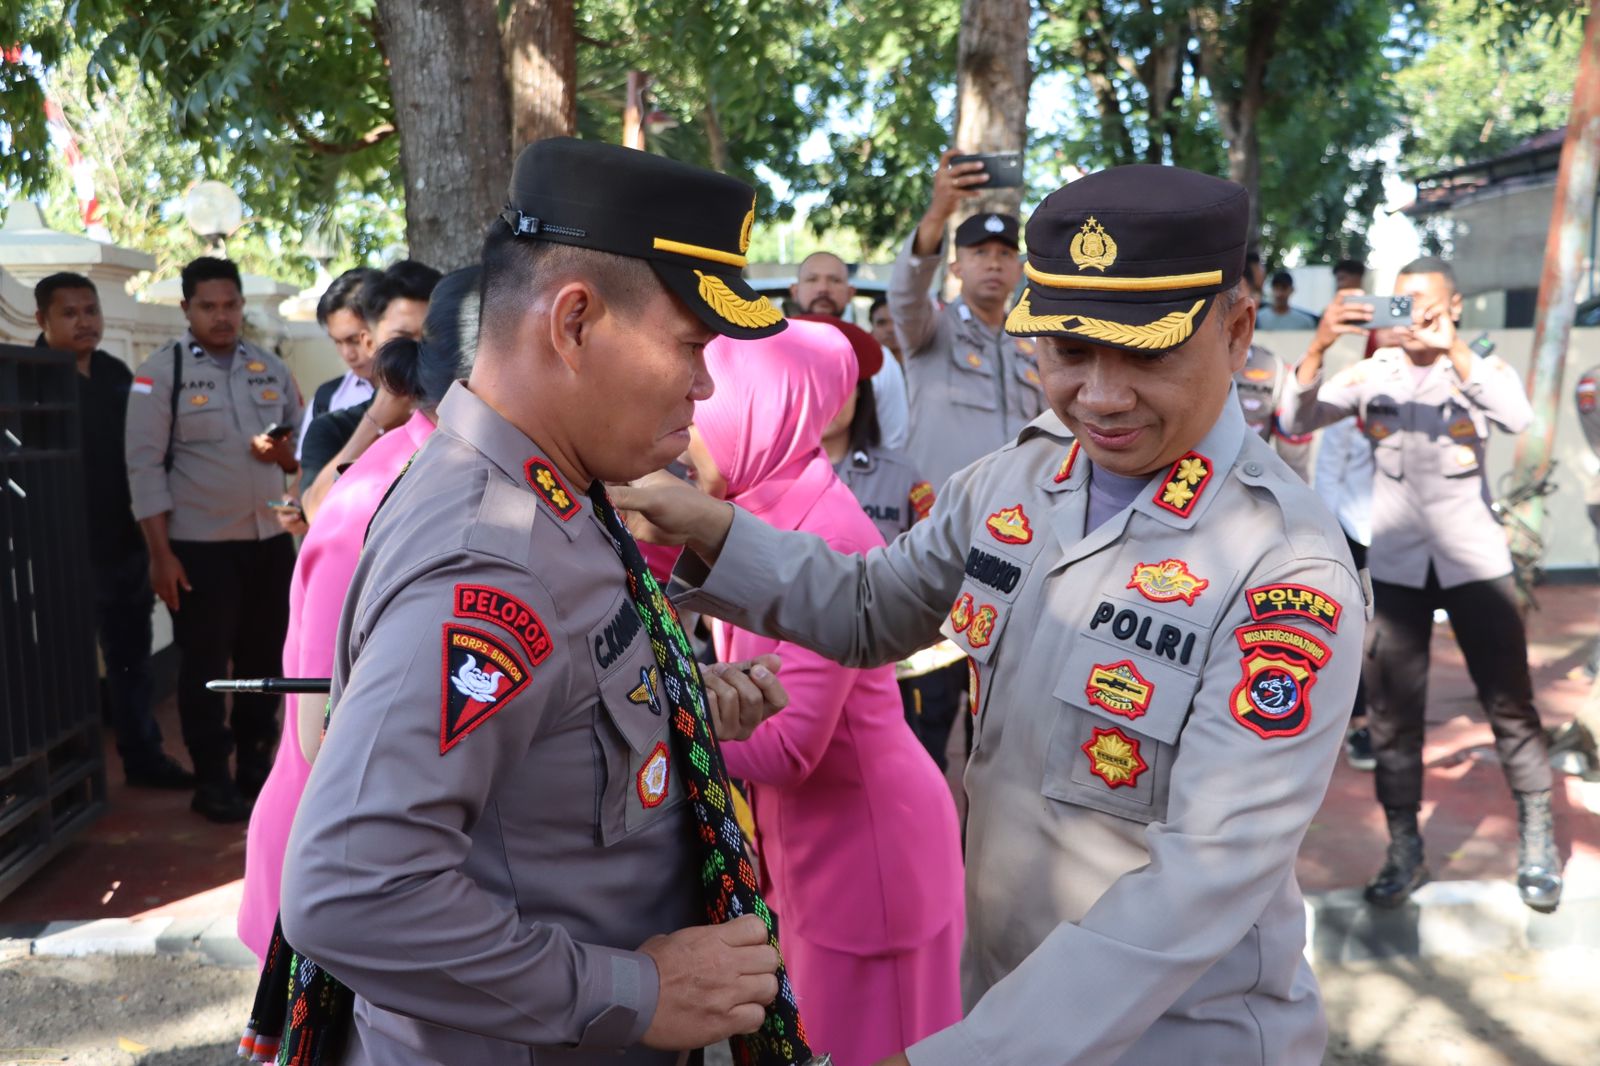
x,y
322,574
856,830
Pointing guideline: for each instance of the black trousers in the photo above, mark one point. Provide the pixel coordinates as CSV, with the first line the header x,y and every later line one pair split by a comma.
x,y
1490,632
122,605
237,614
1358,552
931,703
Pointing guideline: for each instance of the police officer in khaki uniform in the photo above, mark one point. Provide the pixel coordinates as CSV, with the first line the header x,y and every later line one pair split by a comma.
x,y
1166,631
494,849
1426,408
971,385
201,470
1261,384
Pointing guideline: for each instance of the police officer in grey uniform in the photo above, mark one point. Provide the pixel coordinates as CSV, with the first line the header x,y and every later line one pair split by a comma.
x,y
201,470
1426,408
971,384
494,850
1261,384
1166,633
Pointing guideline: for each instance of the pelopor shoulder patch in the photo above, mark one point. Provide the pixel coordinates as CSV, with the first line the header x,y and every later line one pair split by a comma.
x,y
1297,601
480,675
492,605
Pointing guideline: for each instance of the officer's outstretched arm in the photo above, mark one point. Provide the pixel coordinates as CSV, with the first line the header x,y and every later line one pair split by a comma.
x,y
437,712
854,609
1252,765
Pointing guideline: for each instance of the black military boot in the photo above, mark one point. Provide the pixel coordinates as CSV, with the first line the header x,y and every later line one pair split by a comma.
x,y
1538,862
1403,872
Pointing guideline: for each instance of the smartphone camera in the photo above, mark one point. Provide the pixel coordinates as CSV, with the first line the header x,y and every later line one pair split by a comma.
x,y
1400,307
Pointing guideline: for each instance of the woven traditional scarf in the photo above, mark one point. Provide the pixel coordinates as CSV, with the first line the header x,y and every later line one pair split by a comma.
x,y
725,872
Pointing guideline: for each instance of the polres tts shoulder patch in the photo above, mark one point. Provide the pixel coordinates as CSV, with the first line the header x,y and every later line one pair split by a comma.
x,y
1299,601
480,675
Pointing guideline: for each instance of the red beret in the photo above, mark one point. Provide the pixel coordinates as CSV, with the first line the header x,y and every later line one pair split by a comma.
x,y
869,353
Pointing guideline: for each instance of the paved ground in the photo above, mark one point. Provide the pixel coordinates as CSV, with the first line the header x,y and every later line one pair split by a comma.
x,y
1489,1011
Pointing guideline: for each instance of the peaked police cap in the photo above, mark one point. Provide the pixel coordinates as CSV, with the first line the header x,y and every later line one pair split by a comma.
x,y
691,225
1131,257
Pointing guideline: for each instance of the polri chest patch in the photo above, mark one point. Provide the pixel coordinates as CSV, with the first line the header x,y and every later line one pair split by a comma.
x,y
480,675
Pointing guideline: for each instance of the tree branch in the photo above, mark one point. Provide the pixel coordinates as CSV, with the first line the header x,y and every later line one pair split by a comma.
x,y
316,144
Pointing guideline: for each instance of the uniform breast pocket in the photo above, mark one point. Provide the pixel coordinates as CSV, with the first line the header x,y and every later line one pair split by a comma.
x,y
268,399
1114,742
972,376
641,776
200,423
1458,459
1386,456
1030,392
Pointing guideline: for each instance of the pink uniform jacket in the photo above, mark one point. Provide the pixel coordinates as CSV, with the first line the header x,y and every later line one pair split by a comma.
x,y
316,597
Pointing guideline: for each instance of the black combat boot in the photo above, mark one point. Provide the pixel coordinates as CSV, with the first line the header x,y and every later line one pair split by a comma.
x,y
1538,862
1403,872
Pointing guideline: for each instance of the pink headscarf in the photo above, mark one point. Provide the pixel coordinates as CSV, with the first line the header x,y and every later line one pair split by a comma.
x,y
764,423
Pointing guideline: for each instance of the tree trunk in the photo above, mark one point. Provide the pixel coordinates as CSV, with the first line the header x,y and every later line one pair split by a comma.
x,y
1239,99
716,141
992,82
541,69
450,104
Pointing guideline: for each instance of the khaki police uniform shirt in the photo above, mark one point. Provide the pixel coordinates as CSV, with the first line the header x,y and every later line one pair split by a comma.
x,y
888,488
216,490
1428,432
1260,384
495,820
1158,704
971,388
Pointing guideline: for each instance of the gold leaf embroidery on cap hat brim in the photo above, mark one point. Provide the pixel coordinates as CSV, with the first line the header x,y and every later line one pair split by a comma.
x,y
1157,284
748,314
1169,331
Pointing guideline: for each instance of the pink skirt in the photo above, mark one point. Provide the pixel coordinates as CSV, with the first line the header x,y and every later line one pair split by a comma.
x,y
863,1008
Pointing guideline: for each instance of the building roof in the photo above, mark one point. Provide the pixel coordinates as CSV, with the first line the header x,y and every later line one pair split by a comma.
x,y
1533,162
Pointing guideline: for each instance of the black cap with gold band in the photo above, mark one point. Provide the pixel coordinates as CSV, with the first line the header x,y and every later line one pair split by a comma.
x,y
1131,257
691,225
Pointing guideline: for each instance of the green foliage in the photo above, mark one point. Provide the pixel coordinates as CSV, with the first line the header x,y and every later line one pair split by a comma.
x,y
1493,73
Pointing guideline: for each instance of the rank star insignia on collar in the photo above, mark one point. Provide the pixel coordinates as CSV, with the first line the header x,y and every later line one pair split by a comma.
x,y
548,486
1065,471
1166,581
1119,688
1186,480
1114,758
1010,525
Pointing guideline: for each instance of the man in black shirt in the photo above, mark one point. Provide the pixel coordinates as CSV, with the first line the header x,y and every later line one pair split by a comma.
x,y
68,313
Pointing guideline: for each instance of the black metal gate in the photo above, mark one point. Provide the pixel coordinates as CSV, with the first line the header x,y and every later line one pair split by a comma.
x,y
52,772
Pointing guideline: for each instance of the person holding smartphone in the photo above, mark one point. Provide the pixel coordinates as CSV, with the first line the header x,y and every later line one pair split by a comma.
x,y
1426,406
201,468
972,386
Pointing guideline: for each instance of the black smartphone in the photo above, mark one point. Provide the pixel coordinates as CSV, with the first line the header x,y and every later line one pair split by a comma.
x,y
1388,312
1004,168
1482,347
278,431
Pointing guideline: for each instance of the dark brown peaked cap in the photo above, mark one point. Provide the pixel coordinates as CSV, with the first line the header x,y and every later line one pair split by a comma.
x,y
691,225
1131,257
